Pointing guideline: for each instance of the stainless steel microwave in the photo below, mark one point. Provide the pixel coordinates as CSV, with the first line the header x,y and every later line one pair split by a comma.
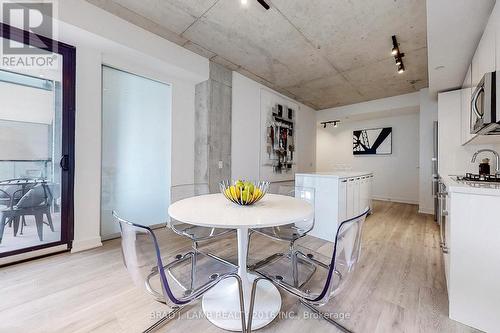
x,y
484,113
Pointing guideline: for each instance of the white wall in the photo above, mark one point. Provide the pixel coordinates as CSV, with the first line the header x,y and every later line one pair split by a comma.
x,y
246,129
428,114
100,37
400,112
396,175
372,109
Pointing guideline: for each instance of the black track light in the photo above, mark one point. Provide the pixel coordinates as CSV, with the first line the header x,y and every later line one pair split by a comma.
x,y
264,4
398,55
334,122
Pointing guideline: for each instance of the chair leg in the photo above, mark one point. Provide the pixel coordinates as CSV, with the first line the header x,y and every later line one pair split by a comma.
x,y
23,223
252,303
325,317
39,226
193,264
17,219
295,267
49,219
3,222
163,320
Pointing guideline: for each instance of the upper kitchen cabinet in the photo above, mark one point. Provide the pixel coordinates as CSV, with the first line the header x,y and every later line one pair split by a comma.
x,y
494,23
466,94
484,59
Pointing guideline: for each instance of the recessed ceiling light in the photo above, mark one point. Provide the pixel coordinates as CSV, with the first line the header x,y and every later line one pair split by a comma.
x,y
244,2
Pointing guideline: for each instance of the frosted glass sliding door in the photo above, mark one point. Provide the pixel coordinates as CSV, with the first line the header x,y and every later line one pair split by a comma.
x,y
136,136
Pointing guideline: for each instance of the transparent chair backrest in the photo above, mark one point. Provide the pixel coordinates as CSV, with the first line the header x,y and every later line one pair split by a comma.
x,y
180,192
142,259
304,193
346,253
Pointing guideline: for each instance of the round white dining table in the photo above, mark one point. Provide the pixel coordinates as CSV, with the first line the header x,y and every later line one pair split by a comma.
x,y
221,303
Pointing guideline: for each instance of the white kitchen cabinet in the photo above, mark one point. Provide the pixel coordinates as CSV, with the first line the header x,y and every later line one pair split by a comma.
x,y
494,23
364,192
350,198
466,94
356,197
485,55
338,197
343,200
472,267
449,139
447,244
486,59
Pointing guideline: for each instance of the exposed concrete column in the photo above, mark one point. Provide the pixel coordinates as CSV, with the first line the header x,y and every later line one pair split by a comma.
x,y
213,128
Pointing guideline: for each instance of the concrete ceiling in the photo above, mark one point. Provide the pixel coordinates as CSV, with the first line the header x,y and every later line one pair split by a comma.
x,y
323,53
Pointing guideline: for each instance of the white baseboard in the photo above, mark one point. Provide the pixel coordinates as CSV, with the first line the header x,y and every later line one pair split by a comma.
x,y
398,200
423,210
85,244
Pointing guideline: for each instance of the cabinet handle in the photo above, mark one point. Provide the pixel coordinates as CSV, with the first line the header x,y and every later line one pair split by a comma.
x,y
344,181
474,101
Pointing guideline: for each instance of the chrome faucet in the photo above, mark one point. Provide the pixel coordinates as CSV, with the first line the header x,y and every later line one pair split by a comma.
x,y
497,158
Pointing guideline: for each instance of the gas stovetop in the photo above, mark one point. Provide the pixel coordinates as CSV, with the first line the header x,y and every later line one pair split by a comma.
x,y
470,177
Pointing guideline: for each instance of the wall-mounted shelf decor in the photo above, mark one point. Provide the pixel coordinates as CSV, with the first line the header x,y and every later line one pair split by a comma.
x,y
279,137
280,145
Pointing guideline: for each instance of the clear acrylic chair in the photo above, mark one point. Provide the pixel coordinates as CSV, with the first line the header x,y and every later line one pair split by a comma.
x,y
195,233
290,232
330,275
164,278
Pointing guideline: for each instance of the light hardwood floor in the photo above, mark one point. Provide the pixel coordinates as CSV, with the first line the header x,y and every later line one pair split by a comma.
x,y
399,286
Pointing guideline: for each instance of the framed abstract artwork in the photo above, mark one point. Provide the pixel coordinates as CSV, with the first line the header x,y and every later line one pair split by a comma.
x,y
376,141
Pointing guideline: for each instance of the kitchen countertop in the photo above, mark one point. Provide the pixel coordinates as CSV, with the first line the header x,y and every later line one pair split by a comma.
x,y
480,188
336,174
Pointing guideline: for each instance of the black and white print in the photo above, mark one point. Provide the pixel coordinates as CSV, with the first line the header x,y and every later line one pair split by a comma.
x,y
377,141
